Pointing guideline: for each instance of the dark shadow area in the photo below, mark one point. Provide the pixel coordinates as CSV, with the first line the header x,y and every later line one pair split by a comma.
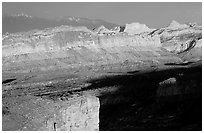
x,y
180,64
8,81
136,78
122,28
133,72
135,105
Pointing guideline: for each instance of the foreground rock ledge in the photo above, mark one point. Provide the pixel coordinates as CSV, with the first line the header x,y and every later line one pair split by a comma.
x,y
79,113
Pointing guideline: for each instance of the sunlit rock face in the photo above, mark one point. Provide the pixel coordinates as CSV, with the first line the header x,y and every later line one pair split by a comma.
x,y
136,28
79,113
181,39
75,45
79,45
102,30
175,25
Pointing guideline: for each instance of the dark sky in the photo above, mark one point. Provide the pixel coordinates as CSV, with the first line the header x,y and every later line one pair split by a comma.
x,y
154,15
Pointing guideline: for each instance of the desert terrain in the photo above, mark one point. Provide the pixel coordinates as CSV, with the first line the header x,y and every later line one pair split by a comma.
x,y
121,78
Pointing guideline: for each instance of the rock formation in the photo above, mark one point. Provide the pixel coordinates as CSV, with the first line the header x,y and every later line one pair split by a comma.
x,y
76,114
175,25
81,45
75,44
179,38
102,30
136,28
59,78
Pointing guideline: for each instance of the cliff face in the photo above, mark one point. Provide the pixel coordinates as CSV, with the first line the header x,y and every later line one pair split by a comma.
x,y
70,38
66,46
136,28
75,45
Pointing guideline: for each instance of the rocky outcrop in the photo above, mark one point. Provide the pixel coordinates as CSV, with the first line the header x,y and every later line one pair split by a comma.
x,y
136,28
65,46
193,53
102,30
168,87
75,45
79,113
180,38
53,78
116,29
175,25
68,37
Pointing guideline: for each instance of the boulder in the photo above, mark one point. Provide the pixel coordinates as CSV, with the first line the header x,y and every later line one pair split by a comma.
x,y
168,87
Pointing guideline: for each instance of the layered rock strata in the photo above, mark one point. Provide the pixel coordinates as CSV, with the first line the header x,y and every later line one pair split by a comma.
x,y
75,46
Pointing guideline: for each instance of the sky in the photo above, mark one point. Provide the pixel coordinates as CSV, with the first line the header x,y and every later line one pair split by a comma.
x,y
154,15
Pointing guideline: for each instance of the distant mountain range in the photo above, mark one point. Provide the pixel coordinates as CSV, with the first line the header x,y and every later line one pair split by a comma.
x,y
24,22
